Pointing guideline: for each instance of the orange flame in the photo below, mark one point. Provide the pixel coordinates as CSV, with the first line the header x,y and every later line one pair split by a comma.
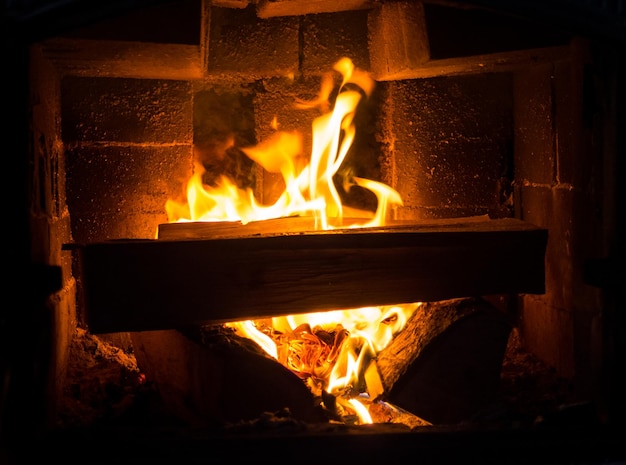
x,y
334,351
309,191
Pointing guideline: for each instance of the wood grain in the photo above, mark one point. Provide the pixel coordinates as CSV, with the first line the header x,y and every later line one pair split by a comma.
x,y
139,285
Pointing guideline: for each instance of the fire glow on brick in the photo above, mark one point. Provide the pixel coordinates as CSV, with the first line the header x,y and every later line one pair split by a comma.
x,y
333,352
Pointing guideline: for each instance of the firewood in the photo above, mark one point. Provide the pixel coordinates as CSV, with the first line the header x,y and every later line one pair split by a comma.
x,y
140,285
220,379
445,365
233,229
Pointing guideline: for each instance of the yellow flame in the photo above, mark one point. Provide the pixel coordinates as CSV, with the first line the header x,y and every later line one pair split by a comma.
x,y
339,367
274,123
361,411
265,342
334,350
309,190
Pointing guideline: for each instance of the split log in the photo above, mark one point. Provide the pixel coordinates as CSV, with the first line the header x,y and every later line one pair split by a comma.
x,y
140,285
220,379
309,225
445,365
237,229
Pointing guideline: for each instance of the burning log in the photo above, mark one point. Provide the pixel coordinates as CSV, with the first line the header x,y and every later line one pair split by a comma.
x,y
234,272
143,285
445,364
211,377
443,367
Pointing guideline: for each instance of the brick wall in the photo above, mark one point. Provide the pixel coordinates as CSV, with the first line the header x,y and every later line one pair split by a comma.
x,y
558,174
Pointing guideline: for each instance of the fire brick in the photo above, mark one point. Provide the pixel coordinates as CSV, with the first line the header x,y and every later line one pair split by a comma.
x,y
451,143
126,110
551,208
129,149
329,37
398,40
568,114
534,144
223,124
548,333
277,100
242,43
106,183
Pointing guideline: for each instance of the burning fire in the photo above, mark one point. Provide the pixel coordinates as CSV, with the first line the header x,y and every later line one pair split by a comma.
x,y
309,191
334,352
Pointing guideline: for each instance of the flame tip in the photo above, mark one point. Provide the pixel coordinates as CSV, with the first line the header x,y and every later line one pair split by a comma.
x,y
309,189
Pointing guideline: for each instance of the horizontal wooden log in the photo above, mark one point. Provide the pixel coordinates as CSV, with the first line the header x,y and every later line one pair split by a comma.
x,y
135,285
234,229
306,224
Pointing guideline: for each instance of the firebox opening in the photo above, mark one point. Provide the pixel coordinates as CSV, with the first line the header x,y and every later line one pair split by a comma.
x,y
497,130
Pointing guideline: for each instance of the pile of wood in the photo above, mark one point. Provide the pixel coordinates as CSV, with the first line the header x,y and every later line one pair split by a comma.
x,y
443,367
105,385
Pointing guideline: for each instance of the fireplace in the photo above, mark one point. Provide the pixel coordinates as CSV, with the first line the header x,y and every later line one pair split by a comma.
x,y
481,115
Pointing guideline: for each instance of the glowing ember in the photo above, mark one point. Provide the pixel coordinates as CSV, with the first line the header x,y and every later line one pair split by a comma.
x,y
309,190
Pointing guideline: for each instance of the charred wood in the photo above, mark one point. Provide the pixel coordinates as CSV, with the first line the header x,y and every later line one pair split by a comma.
x,y
144,285
210,378
446,363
